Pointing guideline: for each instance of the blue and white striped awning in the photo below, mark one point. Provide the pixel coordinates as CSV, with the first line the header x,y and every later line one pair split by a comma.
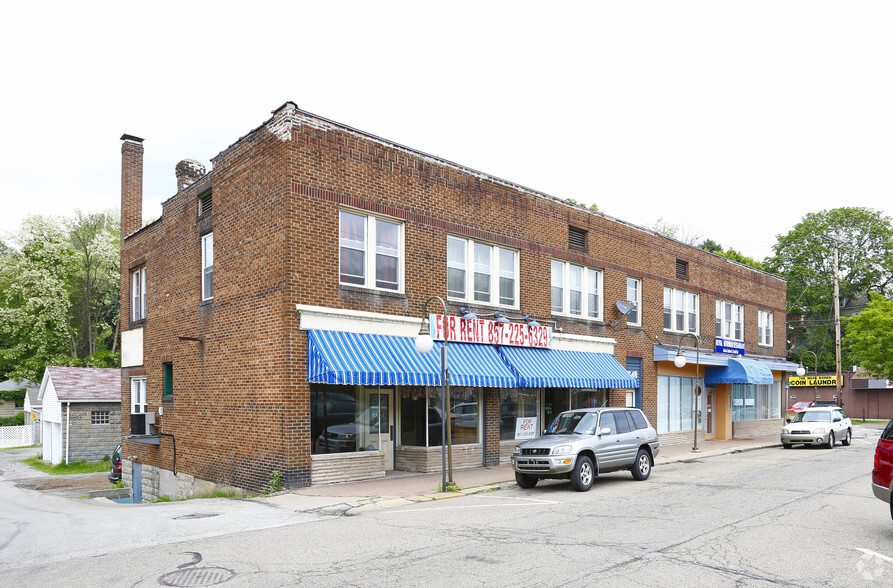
x,y
558,368
336,357
739,371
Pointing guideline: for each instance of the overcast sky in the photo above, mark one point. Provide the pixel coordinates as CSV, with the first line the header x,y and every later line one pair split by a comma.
x,y
730,120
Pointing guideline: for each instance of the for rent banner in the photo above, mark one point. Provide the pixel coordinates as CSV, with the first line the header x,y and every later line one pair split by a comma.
x,y
488,332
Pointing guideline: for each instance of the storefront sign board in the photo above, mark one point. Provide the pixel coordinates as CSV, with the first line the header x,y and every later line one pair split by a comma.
x,y
729,346
488,332
525,428
813,381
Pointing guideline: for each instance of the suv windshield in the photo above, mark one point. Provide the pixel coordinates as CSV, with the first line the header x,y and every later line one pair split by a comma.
x,y
813,416
574,423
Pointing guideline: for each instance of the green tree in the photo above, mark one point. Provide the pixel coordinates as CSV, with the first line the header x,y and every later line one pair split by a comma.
x,y
869,337
34,300
59,295
805,257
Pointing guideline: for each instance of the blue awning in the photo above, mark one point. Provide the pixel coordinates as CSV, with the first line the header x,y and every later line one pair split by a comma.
x,y
739,371
558,368
336,357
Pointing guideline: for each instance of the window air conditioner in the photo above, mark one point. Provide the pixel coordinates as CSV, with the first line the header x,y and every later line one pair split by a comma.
x,y
142,423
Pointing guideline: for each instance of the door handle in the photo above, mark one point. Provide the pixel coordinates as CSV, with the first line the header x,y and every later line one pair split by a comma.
x,y
392,432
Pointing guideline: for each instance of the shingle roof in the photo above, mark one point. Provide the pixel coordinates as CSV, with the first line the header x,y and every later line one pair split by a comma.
x,y
10,385
85,384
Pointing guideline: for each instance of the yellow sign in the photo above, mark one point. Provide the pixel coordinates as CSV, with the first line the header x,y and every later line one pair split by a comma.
x,y
813,381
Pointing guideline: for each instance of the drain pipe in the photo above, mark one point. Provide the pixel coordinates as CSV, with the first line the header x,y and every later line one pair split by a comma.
x,y
67,433
174,439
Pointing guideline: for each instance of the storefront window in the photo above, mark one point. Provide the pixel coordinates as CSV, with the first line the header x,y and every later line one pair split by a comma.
x,y
557,400
421,417
340,422
515,404
756,402
675,403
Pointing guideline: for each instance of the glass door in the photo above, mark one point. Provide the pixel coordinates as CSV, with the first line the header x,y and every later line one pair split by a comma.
x,y
378,424
710,416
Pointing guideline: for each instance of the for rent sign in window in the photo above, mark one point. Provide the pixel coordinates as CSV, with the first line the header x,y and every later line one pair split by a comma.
x,y
488,332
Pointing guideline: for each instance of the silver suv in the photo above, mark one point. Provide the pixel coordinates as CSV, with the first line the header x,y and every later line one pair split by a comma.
x,y
583,443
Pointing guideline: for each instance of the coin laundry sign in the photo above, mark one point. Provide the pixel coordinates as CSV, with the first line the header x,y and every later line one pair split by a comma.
x,y
813,381
488,332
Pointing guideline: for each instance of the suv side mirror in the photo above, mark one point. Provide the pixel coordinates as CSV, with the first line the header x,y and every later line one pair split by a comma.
x,y
787,420
605,431
837,419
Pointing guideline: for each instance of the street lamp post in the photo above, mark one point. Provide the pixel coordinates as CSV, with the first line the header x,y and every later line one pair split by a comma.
x,y
423,344
801,371
680,362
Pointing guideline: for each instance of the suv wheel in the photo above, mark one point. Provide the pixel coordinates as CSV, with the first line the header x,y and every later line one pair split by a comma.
x,y
830,443
642,467
848,439
583,474
525,481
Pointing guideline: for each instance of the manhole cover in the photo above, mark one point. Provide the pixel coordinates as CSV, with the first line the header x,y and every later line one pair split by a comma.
x,y
197,577
197,515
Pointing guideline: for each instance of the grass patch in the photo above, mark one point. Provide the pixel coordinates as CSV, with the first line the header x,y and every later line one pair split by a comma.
x,y
78,467
22,447
220,494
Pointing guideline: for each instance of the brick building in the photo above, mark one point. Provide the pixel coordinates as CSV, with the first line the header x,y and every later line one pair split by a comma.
x,y
269,315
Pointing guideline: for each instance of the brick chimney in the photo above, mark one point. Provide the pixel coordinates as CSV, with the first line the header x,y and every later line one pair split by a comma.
x,y
188,171
131,185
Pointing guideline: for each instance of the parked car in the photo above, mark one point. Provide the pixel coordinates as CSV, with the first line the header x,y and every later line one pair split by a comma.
x,y
825,403
798,406
115,465
581,444
343,438
882,474
818,425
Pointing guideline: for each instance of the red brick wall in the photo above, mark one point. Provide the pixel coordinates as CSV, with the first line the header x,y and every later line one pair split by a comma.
x,y
241,403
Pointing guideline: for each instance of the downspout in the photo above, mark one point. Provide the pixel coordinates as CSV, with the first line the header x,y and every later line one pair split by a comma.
x,y
67,432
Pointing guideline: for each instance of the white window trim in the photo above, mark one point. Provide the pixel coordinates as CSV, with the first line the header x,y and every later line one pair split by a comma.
x,y
721,316
207,268
138,391
496,272
638,302
370,251
685,311
138,294
584,284
761,328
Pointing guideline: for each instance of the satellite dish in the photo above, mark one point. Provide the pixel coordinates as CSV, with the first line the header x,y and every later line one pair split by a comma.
x,y
625,307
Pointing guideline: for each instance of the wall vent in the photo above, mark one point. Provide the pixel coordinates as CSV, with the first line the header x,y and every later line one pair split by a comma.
x,y
681,269
576,238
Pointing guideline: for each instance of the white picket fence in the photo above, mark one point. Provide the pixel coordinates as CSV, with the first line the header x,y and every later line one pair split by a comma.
x,y
18,436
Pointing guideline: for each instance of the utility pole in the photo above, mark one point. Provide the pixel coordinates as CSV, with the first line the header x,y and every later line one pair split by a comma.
x,y
836,243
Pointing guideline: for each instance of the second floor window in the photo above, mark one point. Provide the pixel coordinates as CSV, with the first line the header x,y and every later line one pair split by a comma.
x,y
371,251
765,328
728,320
576,290
208,266
481,272
138,294
634,295
680,311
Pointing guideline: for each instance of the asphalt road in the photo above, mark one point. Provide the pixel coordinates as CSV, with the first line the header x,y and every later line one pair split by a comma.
x,y
801,517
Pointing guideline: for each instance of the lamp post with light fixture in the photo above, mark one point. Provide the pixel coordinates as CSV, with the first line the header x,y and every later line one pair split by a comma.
x,y
801,371
423,344
680,363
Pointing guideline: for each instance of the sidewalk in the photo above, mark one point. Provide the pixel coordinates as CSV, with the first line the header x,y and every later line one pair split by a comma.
x,y
403,488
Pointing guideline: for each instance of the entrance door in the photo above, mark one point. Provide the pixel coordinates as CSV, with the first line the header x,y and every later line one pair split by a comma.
x,y
378,426
710,423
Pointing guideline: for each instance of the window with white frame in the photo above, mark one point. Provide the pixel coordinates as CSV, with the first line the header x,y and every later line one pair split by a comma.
x,y
138,294
481,272
765,328
576,290
99,417
208,266
371,251
680,311
728,320
634,295
138,396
